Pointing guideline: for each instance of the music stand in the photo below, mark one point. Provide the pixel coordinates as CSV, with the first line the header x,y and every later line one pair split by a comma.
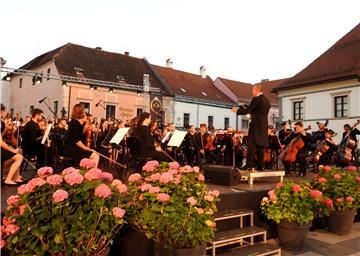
x,y
118,137
44,138
176,140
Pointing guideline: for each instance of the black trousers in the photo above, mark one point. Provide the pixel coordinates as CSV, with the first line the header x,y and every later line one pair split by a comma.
x,y
253,149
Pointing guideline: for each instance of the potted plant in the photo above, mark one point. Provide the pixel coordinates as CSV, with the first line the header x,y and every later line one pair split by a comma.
x,y
76,212
341,190
172,206
293,207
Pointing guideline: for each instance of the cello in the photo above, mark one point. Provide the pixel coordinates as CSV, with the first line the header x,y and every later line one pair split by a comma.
x,y
296,144
347,145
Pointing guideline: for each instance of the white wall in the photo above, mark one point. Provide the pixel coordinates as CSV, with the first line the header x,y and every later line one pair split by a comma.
x,y
5,93
319,104
199,114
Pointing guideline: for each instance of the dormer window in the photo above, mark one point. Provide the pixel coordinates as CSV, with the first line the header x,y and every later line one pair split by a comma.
x,y
79,71
120,78
182,89
203,93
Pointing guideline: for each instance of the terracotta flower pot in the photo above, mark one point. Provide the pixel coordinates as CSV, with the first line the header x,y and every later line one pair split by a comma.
x,y
292,235
340,222
197,251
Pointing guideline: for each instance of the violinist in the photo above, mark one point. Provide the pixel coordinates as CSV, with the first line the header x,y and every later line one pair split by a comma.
x,y
201,139
301,155
60,131
8,153
330,148
147,146
75,149
154,131
31,145
284,132
189,146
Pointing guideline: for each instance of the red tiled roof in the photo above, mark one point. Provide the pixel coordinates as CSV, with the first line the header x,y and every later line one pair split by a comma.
x,y
191,85
96,64
243,90
340,61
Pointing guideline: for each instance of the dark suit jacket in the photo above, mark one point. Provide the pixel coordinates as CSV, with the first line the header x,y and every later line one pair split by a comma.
x,y
198,143
258,109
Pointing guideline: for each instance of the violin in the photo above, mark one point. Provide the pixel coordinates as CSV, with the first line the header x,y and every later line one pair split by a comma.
x,y
88,134
210,142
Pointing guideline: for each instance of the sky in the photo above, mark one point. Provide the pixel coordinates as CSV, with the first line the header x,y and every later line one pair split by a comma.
x,y
241,40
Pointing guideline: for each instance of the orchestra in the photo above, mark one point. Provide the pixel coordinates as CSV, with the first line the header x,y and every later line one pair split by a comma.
x,y
83,136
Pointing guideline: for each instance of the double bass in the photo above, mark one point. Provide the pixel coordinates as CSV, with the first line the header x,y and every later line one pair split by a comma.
x,y
347,145
290,152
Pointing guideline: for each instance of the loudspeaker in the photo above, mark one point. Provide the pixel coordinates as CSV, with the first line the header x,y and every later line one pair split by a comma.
x,y
222,175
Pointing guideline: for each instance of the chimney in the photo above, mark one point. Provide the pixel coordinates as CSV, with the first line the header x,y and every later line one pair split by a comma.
x,y
203,71
265,80
169,63
98,48
127,53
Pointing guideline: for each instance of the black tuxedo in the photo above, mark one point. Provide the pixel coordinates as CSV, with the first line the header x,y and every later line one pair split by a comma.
x,y
258,129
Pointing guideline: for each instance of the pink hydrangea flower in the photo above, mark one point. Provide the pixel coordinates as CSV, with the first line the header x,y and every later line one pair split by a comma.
x,y
177,180
201,177
103,191
106,176
69,170
316,176
187,168
11,229
122,188
23,189
315,193
118,212
339,200
279,185
327,168
196,169
192,201
60,195
2,243
150,166
166,178
209,198
54,179
154,190
93,174
87,163
174,165
43,171
145,187
337,176
7,221
155,177
74,178
163,197
200,211
22,209
321,167
13,200
214,193
352,168
322,180
328,202
349,199
296,188
358,180
36,182
173,172
272,197
116,182
134,177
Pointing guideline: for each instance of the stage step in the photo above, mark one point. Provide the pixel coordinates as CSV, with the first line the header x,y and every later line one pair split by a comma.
x,y
259,249
238,235
235,213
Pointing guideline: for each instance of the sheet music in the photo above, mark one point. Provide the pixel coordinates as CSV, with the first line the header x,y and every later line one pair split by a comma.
x,y
166,137
177,138
119,135
46,134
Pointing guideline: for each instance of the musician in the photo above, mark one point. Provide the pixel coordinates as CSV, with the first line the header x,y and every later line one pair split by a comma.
x,y
189,146
303,152
353,132
75,149
258,139
61,131
284,132
154,131
327,157
31,136
319,135
200,142
147,148
9,153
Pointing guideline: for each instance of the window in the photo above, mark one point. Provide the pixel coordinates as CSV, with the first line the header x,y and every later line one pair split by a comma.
x,y
226,123
186,120
31,109
210,122
341,106
182,89
204,93
110,111
20,83
298,110
48,73
139,112
244,124
56,106
86,106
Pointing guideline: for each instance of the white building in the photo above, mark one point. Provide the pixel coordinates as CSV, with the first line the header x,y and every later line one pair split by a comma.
x,y
4,86
328,88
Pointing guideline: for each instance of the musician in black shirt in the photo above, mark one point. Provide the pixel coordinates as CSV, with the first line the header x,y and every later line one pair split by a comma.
x,y
352,132
75,149
189,146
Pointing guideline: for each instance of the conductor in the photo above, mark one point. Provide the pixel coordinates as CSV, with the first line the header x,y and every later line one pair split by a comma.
x,y
258,133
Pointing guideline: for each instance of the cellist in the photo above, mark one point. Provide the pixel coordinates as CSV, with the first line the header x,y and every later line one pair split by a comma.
x,y
301,155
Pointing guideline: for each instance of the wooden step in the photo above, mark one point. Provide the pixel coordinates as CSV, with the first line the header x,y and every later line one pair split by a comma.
x,y
232,213
259,249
